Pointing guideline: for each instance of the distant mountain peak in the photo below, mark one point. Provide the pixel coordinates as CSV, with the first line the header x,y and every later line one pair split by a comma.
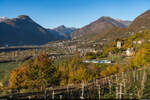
x,y
105,17
118,19
61,27
98,26
3,18
62,30
23,31
125,22
24,17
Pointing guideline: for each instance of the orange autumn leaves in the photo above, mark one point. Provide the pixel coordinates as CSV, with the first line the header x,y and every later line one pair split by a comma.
x,y
35,73
17,78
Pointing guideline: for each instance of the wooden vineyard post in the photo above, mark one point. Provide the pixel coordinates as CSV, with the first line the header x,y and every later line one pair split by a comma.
x,y
99,92
116,79
68,91
53,95
122,74
124,85
29,97
103,85
10,97
82,96
116,92
60,97
137,76
140,74
94,81
67,88
134,76
130,95
116,87
45,94
144,78
109,87
103,81
120,92
145,75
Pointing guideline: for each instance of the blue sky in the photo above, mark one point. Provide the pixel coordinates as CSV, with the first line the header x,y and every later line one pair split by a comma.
x,y
72,13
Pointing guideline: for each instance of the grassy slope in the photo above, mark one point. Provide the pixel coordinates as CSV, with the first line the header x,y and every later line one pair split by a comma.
x,y
5,69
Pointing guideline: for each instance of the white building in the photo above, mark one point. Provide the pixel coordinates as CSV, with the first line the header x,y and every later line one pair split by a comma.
x,y
130,52
138,42
118,44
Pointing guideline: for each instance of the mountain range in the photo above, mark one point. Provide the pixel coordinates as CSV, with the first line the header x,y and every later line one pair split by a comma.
x,y
99,26
140,23
101,30
24,31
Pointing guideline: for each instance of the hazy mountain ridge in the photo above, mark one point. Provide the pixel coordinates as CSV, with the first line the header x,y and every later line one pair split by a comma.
x,y
125,22
98,26
63,31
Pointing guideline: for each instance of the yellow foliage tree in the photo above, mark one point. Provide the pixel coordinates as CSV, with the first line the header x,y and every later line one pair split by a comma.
x,y
36,73
18,78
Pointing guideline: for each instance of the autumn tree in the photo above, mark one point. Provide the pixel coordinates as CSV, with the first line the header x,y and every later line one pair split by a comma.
x,y
142,57
18,78
36,73
74,71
